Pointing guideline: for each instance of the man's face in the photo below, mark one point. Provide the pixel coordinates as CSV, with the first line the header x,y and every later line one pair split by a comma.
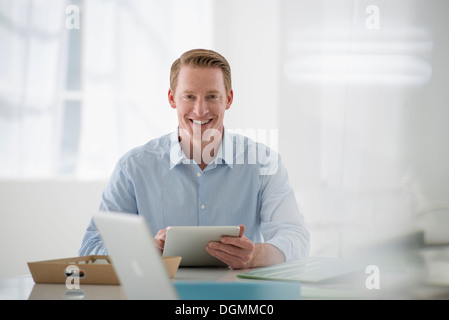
x,y
200,100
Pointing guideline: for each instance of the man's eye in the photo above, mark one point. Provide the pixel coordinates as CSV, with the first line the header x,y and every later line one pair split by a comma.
x,y
189,97
213,96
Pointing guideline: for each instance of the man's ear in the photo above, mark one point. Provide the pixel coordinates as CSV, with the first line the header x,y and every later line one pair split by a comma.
x,y
229,99
171,98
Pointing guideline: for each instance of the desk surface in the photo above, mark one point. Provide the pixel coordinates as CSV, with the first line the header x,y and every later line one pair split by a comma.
x,y
23,288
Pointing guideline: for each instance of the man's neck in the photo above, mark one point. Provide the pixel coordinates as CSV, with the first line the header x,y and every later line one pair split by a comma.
x,y
202,152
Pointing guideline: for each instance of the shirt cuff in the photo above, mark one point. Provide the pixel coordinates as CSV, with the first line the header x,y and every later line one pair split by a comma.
x,y
291,250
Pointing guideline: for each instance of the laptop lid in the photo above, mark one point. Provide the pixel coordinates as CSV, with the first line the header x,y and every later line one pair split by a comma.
x,y
136,260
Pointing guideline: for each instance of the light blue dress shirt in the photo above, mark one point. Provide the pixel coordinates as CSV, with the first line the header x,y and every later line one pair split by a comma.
x,y
245,183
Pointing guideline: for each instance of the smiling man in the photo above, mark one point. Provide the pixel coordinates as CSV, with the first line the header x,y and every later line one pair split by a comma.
x,y
201,95
201,174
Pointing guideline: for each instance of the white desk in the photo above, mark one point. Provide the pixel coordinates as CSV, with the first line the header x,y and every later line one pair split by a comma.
x,y
23,288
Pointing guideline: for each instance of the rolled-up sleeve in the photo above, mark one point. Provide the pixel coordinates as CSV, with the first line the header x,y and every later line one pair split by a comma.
x,y
282,224
92,243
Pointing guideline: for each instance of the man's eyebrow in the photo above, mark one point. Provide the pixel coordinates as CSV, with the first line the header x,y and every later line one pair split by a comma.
x,y
208,92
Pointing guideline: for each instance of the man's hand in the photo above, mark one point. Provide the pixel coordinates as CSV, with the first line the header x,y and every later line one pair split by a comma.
x,y
237,252
159,239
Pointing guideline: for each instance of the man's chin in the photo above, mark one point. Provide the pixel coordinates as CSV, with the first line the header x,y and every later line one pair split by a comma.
x,y
200,132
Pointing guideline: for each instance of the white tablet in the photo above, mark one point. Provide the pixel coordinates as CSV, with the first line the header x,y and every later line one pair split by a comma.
x,y
190,243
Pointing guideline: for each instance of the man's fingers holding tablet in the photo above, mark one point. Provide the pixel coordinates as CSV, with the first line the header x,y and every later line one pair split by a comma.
x,y
159,239
237,252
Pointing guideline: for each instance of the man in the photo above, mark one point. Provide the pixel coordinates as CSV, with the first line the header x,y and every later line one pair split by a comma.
x,y
201,174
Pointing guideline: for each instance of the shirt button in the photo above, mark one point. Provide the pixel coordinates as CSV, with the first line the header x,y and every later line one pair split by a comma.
x,y
203,206
198,174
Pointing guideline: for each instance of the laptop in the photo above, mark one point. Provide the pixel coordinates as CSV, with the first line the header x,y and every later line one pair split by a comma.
x,y
136,260
142,273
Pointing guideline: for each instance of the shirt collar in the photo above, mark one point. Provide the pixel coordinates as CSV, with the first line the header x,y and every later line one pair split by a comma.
x,y
224,154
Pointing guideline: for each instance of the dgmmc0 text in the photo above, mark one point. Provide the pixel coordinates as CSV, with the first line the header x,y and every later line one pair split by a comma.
x,y
246,309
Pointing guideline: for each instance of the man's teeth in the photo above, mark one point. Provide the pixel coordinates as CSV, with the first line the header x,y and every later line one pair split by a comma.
x,y
201,122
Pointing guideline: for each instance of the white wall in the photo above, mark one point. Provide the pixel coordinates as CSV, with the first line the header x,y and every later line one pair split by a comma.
x,y
42,220
368,158
247,34
427,130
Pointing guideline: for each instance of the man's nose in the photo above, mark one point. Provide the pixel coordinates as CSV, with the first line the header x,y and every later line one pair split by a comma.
x,y
200,108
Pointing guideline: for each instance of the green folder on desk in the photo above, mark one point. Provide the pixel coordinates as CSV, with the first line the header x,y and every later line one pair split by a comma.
x,y
259,290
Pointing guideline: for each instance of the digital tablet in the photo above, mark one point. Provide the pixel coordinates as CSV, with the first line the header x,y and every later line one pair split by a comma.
x,y
190,243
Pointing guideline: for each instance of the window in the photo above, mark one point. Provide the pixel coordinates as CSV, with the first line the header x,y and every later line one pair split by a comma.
x,y
75,98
